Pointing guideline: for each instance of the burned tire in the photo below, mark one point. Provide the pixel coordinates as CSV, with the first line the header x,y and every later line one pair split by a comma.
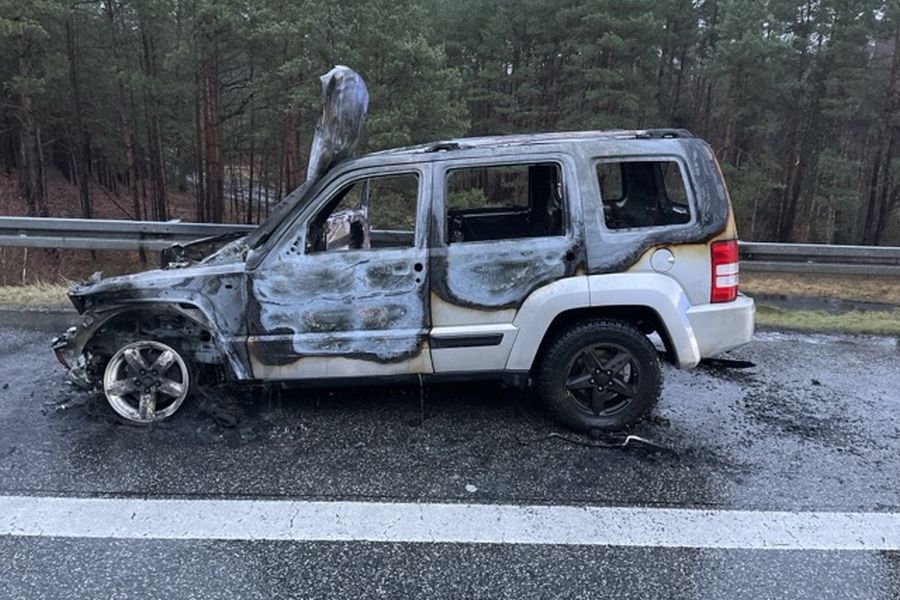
x,y
146,381
600,374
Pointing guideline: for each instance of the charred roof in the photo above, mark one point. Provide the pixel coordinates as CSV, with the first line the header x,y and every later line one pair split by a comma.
x,y
497,141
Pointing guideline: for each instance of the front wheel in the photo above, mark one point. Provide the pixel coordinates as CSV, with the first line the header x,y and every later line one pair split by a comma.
x,y
146,381
600,374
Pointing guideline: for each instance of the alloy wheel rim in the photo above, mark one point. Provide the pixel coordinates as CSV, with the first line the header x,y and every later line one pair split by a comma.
x,y
146,381
603,379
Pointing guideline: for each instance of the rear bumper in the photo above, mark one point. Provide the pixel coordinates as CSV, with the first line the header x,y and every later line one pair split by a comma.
x,y
721,327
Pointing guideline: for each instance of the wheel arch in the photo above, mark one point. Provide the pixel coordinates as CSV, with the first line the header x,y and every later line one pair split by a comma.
x,y
653,302
179,321
644,317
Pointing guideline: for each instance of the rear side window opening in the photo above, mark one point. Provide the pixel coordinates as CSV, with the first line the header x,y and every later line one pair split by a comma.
x,y
642,193
500,202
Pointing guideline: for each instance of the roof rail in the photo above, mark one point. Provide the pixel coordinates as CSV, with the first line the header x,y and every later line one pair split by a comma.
x,y
664,133
443,147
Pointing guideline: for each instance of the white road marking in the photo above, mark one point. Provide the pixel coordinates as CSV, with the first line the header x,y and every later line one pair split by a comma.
x,y
171,519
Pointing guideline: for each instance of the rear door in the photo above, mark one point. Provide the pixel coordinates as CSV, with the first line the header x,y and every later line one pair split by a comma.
x,y
502,228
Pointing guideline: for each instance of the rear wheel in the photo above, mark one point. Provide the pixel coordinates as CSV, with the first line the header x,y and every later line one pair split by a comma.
x,y
602,374
146,381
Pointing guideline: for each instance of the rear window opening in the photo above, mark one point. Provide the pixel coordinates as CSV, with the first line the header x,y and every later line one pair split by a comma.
x,y
504,202
642,194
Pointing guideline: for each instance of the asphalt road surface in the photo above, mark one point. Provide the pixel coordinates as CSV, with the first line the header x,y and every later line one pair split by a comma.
x,y
778,481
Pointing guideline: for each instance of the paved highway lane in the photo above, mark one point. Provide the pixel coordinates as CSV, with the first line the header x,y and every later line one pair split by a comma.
x,y
47,568
812,428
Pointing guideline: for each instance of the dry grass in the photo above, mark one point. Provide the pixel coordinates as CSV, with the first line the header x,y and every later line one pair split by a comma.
x,y
848,287
867,322
53,295
50,295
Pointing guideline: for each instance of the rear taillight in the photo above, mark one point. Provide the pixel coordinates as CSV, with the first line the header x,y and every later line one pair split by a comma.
x,y
725,271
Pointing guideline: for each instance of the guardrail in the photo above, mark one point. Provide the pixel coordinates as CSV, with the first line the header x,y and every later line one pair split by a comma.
x,y
96,234
820,258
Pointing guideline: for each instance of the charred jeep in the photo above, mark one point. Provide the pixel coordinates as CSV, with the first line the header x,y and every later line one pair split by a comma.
x,y
545,259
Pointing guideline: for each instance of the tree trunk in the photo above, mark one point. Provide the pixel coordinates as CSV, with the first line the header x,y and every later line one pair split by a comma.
x,y
249,216
32,182
82,153
212,136
199,189
885,203
263,180
234,189
155,155
9,150
291,152
676,97
879,180
125,129
793,164
131,174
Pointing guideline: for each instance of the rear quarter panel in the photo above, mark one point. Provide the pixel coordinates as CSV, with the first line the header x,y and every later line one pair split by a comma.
x,y
621,250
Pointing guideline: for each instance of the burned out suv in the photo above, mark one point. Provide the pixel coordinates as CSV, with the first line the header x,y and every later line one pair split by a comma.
x,y
545,259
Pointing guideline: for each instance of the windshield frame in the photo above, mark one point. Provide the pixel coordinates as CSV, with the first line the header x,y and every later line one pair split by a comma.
x,y
261,234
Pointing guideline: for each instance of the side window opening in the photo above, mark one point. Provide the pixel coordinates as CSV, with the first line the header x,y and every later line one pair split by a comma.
x,y
373,212
642,194
504,202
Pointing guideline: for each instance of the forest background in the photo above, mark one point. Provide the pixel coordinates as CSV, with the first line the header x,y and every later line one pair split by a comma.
x,y
203,110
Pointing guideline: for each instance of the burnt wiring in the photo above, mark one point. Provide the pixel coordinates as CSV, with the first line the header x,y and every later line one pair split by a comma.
x,y
615,439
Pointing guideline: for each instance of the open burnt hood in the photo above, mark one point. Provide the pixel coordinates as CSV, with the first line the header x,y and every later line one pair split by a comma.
x,y
345,101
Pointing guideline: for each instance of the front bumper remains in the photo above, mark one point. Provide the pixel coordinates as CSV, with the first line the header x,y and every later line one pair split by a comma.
x,y
76,362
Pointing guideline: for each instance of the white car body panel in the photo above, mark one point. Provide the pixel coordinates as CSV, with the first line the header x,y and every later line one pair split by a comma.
x,y
695,331
721,327
658,292
690,268
453,314
538,312
473,358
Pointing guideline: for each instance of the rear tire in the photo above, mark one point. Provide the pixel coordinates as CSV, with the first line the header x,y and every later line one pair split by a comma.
x,y
600,374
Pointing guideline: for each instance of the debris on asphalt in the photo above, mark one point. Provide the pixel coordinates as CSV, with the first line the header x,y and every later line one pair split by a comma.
x,y
726,363
67,402
219,403
602,439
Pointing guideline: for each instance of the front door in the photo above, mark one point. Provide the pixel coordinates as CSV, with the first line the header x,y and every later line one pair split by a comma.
x,y
345,294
